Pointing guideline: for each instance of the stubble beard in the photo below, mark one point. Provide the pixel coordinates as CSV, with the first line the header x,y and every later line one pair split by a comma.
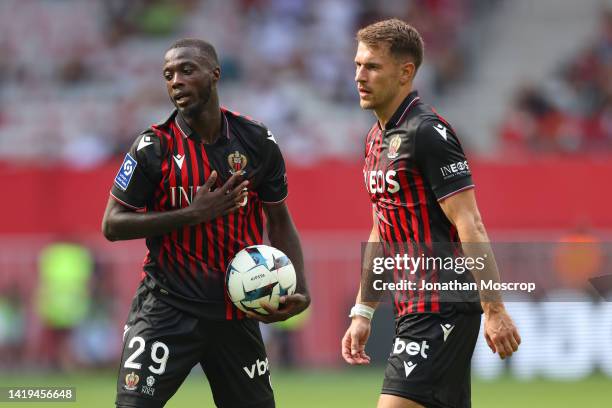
x,y
366,105
193,111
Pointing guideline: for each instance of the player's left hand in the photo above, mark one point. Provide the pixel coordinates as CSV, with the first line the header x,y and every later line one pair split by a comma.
x,y
289,306
500,333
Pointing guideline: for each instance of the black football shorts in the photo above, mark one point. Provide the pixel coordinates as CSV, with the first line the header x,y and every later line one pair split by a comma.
x,y
161,345
430,359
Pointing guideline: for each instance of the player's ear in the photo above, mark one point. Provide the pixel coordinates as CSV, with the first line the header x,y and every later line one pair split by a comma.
x,y
216,74
408,71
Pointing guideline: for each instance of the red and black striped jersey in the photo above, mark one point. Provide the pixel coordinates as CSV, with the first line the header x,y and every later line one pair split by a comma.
x,y
410,166
163,170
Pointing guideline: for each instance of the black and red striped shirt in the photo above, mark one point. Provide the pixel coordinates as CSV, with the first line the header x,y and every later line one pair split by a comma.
x,y
410,166
162,172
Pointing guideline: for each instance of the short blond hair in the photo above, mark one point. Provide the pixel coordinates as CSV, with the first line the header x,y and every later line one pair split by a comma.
x,y
403,39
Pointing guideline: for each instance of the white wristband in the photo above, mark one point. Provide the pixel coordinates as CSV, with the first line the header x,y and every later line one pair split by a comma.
x,y
362,310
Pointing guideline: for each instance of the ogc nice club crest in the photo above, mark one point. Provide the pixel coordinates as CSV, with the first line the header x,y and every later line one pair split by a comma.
x,y
394,146
237,162
131,381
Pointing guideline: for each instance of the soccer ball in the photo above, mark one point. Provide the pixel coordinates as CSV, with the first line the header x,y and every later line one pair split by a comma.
x,y
259,273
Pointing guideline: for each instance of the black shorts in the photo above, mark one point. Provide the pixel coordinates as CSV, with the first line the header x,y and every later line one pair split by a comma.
x,y
161,345
430,359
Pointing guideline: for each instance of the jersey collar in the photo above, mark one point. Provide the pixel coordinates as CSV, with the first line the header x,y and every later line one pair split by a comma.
x,y
402,110
188,132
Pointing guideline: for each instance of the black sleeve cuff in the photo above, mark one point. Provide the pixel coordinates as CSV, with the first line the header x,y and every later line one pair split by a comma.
x,y
455,187
125,202
274,197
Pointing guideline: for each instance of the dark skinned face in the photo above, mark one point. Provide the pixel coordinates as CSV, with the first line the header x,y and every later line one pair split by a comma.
x,y
190,79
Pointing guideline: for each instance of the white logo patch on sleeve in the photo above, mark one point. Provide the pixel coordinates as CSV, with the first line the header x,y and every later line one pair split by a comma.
x,y
271,137
144,142
441,130
122,180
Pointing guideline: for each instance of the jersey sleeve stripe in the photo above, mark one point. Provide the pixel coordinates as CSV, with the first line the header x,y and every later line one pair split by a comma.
x,y
455,192
126,204
276,202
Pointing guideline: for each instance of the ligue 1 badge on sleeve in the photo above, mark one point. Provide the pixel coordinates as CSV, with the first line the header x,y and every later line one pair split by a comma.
x,y
237,162
131,381
123,177
394,146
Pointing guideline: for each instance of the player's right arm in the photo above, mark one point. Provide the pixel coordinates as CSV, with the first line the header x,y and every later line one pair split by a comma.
x,y
501,334
437,147
356,337
135,185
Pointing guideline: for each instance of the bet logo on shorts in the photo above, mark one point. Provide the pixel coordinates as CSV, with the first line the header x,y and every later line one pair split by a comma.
x,y
411,348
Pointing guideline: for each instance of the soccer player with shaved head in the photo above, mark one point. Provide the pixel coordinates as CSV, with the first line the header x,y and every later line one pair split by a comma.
x,y
196,186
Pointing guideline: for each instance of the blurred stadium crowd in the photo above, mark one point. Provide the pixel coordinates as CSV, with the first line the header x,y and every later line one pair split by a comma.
x,y
572,110
82,78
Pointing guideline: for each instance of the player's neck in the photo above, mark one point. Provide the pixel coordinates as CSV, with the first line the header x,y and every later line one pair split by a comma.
x,y
207,124
385,113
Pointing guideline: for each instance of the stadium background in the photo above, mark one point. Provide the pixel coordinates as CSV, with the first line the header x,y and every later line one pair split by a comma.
x,y
527,84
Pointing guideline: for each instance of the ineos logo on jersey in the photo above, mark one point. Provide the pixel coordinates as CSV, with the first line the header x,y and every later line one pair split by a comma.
x,y
178,194
455,169
378,181
182,197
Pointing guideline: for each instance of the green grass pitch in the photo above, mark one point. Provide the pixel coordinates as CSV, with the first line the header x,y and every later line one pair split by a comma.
x,y
356,387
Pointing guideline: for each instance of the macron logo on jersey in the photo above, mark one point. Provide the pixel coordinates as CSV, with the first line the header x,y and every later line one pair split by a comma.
x,y
441,130
447,329
179,160
144,142
408,367
123,177
271,137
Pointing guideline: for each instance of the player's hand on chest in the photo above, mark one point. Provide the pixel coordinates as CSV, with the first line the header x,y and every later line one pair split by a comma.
x,y
210,202
191,167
